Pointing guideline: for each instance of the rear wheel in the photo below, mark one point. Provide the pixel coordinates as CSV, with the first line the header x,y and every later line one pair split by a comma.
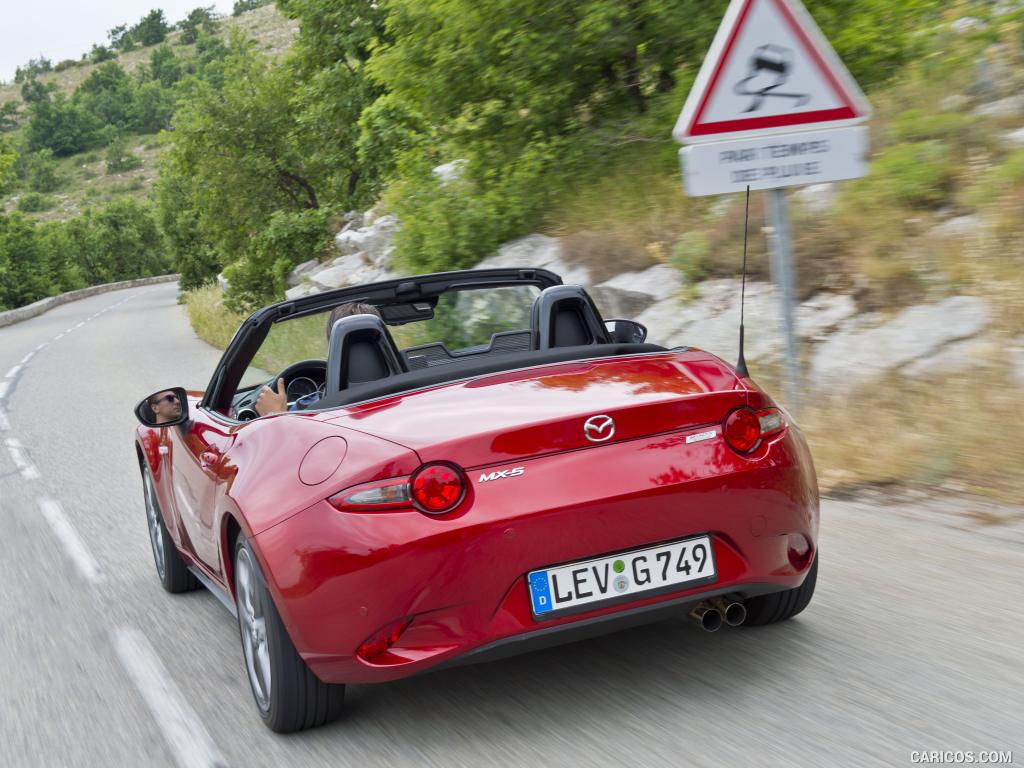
x,y
779,606
170,567
287,693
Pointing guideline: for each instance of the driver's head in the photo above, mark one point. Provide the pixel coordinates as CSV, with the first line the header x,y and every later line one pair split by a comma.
x,y
166,406
347,310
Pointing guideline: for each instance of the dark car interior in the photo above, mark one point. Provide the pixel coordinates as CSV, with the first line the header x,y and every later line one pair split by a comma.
x,y
364,362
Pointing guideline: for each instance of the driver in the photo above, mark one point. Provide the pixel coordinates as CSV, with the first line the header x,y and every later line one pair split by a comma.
x,y
270,401
165,406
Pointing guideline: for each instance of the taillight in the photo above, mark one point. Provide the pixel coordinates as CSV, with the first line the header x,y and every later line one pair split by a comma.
x,y
382,495
381,640
745,428
437,488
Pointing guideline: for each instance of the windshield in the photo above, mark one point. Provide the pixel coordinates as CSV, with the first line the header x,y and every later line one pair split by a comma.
x,y
467,319
463,321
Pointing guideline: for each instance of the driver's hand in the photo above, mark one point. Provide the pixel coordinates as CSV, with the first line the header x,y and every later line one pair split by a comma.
x,y
270,401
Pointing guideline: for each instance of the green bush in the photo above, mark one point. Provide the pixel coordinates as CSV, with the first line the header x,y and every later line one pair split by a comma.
x,y
920,125
690,256
35,202
241,6
41,172
120,157
1000,179
289,238
917,174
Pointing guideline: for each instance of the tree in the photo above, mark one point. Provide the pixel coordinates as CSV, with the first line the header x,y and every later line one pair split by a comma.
x,y
8,158
121,39
34,68
108,93
62,125
8,116
101,53
152,108
241,6
23,274
164,66
33,90
151,29
199,19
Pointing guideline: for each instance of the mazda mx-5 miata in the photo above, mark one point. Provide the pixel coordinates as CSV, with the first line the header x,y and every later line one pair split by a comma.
x,y
466,465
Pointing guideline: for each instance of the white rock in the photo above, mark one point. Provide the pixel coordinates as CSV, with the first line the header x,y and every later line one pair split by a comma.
x,y
448,172
955,102
955,356
1017,359
630,293
374,240
859,354
817,198
823,313
538,251
300,290
967,24
222,281
960,226
296,274
1014,138
332,277
1011,106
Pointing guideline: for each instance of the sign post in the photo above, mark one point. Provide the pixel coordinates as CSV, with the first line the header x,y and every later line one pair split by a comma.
x,y
772,107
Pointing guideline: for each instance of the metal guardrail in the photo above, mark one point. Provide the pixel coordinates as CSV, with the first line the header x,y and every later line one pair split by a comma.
x,y
12,316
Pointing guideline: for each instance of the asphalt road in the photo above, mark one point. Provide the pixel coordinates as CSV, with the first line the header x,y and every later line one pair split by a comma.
x,y
914,641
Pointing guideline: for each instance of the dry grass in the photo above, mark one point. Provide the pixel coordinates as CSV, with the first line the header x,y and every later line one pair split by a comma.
x,y
954,433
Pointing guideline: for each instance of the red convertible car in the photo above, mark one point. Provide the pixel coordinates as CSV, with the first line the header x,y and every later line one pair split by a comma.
x,y
462,466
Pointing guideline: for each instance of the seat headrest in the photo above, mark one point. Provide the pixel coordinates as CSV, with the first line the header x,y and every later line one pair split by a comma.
x,y
361,350
565,316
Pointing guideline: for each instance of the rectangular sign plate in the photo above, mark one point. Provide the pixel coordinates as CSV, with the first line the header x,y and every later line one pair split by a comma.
x,y
768,162
626,575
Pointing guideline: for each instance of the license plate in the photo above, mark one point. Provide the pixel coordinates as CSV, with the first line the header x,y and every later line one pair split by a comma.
x,y
619,577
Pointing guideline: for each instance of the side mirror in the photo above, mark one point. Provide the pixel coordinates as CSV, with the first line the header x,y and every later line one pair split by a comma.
x,y
626,331
164,408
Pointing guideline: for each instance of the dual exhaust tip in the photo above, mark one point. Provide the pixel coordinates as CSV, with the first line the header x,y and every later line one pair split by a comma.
x,y
710,614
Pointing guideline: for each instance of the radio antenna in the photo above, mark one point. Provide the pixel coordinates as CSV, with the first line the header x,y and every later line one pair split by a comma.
x,y
741,364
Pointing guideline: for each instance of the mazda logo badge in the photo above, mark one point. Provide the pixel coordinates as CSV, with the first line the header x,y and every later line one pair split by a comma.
x,y
597,429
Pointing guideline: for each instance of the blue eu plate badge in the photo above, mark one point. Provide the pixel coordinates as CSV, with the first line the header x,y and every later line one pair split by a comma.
x,y
540,592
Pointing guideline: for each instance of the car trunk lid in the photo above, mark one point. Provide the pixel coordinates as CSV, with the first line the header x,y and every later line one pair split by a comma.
x,y
504,417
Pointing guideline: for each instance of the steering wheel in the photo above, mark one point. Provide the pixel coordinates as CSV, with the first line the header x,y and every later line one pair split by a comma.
x,y
304,367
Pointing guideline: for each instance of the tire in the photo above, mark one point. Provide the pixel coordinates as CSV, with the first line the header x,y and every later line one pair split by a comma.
x,y
174,575
288,695
779,606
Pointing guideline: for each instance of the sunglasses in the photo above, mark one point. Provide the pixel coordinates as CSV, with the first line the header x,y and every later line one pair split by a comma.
x,y
172,398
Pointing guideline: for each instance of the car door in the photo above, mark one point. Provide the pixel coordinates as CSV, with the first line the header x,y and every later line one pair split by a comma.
x,y
199,466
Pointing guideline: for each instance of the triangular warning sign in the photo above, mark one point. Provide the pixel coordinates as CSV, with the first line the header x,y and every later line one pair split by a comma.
x,y
769,70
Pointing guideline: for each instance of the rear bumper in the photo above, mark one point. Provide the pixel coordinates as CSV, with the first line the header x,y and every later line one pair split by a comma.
x,y
337,578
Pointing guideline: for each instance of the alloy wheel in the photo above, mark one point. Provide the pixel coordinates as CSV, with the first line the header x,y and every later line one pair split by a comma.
x,y
253,623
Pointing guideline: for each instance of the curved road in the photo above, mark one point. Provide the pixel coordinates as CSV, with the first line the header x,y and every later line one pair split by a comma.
x,y
913,642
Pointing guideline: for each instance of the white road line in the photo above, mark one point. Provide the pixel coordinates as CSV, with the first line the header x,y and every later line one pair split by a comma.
x,y
80,324
40,346
73,545
188,740
4,386
14,371
59,336
4,423
21,461
27,357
